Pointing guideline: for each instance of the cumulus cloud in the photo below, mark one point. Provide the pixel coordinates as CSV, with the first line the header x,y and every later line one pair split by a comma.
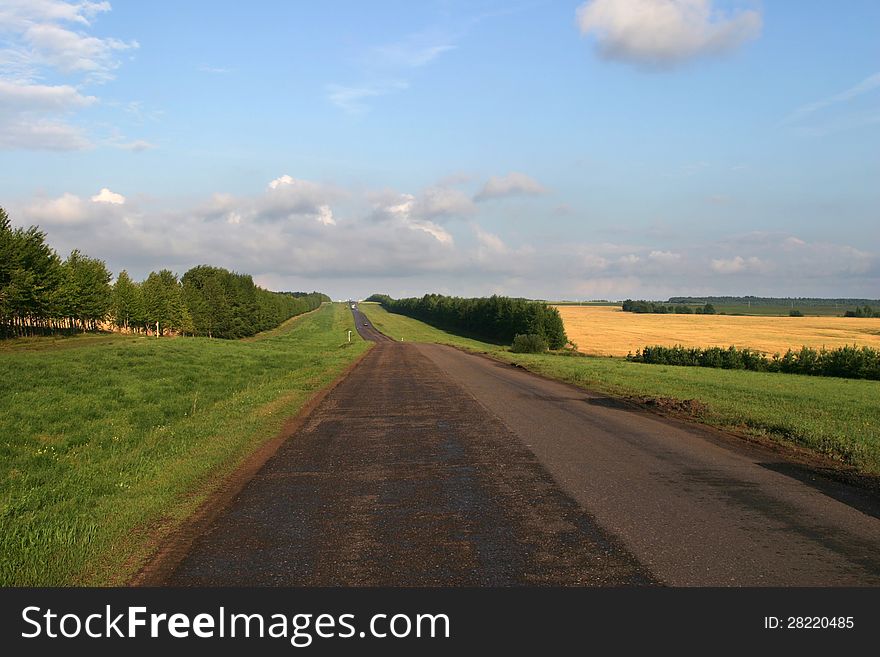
x,y
736,265
288,197
513,184
663,33
66,209
442,202
306,234
49,36
26,116
664,257
106,196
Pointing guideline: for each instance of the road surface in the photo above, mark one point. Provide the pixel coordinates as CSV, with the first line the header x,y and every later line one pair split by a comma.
x,y
428,466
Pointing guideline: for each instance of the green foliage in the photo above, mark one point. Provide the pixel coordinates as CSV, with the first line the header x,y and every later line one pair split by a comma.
x,y
862,311
127,303
529,343
846,362
110,445
498,319
225,304
41,294
795,313
631,306
85,293
30,280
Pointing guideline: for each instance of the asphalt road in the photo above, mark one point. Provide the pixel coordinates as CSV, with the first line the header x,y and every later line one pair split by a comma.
x,y
429,466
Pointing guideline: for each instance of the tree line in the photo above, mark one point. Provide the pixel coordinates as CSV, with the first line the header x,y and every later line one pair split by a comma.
x,y
631,306
496,318
40,293
849,362
862,311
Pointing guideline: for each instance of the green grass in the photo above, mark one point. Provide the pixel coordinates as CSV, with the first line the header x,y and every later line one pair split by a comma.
x,y
836,417
411,330
107,447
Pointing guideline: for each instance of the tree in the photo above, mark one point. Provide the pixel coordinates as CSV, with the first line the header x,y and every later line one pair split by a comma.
x,y
163,303
86,295
128,303
29,277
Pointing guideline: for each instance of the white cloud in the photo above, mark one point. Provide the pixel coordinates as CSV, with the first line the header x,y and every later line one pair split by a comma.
x,y
867,85
66,209
513,184
664,257
325,216
29,116
106,196
412,52
400,210
136,146
40,97
663,33
835,113
24,132
313,235
736,265
42,37
441,202
353,99
289,197
74,52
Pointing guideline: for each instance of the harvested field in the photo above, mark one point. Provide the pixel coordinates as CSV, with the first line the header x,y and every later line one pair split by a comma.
x,y
608,331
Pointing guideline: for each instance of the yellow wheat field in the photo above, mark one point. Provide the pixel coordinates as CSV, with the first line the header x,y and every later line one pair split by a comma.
x,y
608,331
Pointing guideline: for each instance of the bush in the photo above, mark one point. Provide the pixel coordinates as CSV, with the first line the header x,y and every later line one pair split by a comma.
x,y
846,362
795,313
529,343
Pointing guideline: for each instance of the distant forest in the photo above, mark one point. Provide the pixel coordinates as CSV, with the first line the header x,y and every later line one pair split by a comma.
x,y
42,294
496,318
804,302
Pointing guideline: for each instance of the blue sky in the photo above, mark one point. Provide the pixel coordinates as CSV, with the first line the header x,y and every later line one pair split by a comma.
x,y
599,149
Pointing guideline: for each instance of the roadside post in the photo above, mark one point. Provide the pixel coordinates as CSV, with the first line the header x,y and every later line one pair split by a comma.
x,y
349,335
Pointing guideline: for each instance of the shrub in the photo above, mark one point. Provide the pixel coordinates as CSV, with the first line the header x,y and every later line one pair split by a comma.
x,y
529,343
849,362
795,313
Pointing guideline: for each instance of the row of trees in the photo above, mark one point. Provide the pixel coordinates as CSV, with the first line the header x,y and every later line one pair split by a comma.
x,y
497,319
847,362
862,311
41,293
631,306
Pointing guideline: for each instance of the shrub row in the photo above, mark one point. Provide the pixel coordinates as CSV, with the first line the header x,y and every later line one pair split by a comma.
x,y
497,319
631,306
849,362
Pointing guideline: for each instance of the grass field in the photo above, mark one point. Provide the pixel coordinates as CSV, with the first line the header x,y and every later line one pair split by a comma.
x,y
835,417
107,446
608,331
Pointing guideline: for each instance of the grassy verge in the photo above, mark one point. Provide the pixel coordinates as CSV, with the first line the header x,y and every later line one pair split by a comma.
x,y
107,447
835,417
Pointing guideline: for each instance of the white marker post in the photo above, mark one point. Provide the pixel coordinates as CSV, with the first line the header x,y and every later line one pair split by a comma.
x,y
349,335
